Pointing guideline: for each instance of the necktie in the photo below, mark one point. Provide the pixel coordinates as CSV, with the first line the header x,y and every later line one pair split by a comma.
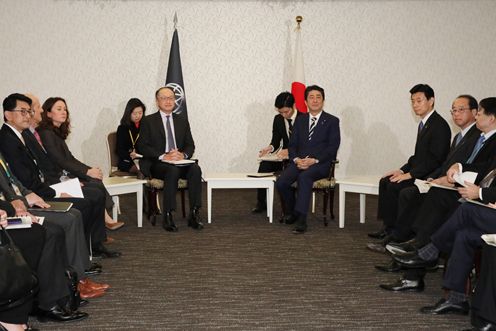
x,y
420,127
290,127
458,138
477,148
38,138
312,127
486,181
170,137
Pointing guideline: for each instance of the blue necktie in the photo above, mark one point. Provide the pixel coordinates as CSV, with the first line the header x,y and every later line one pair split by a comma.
x,y
420,127
170,137
312,127
477,148
459,138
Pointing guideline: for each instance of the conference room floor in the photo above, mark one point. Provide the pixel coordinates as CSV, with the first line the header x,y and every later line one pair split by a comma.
x,y
242,273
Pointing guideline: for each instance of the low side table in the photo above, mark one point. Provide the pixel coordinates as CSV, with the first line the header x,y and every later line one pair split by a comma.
x,y
121,185
239,181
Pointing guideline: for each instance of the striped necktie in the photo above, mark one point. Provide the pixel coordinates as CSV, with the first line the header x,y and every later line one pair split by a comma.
x,y
312,127
477,148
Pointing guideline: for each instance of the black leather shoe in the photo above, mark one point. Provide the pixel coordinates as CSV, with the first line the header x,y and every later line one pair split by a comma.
x,y
289,219
402,285
410,246
57,314
194,219
485,327
301,225
83,303
259,208
379,234
100,251
390,267
444,306
168,223
414,261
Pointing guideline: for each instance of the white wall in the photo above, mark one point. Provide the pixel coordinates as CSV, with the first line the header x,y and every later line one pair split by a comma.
x,y
236,58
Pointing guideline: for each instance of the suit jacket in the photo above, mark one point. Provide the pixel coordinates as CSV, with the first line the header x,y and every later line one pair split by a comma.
x,y
124,145
22,163
48,167
325,139
152,141
58,151
6,180
279,132
458,153
431,148
484,161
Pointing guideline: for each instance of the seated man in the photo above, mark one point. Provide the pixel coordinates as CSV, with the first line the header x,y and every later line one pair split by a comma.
x,y
459,237
431,148
166,137
281,130
464,110
313,146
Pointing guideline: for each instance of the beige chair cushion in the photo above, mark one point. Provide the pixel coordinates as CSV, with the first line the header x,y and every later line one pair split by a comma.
x,y
158,184
324,183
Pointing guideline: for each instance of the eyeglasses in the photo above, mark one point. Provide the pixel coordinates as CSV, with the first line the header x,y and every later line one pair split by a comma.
x,y
167,98
459,110
24,112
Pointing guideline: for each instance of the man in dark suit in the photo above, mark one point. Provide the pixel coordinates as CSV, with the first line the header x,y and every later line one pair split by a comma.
x,y
165,138
312,147
464,109
281,130
440,203
431,148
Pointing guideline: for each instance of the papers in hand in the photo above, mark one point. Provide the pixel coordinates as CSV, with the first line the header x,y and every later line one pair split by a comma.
x,y
467,176
71,187
180,162
424,186
272,157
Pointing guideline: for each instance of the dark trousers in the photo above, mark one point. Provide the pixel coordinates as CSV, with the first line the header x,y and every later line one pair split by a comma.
x,y
92,208
389,192
409,202
304,179
484,299
53,263
266,166
437,207
460,236
170,174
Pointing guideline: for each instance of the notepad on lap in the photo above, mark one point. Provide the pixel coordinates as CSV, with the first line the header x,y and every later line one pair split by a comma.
x,y
56,206
71,187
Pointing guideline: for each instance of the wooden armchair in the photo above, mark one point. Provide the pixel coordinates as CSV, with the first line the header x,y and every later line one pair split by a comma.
x,y
326,187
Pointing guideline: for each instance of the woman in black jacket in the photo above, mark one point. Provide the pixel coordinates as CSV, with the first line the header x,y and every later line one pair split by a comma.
x,y
128,135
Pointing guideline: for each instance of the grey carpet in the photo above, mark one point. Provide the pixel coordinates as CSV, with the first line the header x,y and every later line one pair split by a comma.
x,y
242,273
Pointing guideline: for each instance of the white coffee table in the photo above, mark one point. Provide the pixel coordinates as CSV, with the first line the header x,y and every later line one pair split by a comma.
x,y
122,185
237,181
359,184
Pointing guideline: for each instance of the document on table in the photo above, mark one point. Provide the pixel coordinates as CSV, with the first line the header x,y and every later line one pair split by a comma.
x,y
71,187
272,157
260,174
180,162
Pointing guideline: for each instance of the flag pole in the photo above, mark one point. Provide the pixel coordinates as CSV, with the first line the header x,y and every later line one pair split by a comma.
x,y
298,85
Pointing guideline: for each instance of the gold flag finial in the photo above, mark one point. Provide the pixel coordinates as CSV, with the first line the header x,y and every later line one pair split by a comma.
x,y
299,19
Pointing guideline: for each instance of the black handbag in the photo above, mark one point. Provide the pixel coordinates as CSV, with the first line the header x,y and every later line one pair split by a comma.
x,y
18,283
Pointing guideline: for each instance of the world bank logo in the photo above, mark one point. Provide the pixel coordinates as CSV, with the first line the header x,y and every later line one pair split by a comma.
x,y
180,99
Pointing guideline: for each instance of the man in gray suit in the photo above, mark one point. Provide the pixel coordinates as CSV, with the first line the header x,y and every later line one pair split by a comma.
x,y
165,138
